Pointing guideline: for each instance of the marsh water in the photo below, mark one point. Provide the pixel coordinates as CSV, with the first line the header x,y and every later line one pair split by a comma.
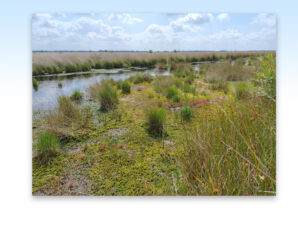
x,y
45,98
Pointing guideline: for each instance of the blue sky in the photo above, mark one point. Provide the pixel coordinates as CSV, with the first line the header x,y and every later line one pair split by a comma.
x,y
128,31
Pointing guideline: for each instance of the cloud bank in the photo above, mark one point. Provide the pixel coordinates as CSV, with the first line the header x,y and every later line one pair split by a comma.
x,y
191,31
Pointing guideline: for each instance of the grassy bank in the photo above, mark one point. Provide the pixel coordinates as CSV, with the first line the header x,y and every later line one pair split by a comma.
x,y
183,134
70,62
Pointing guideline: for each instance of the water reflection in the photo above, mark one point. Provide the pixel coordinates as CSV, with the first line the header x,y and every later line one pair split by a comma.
x,y
45,98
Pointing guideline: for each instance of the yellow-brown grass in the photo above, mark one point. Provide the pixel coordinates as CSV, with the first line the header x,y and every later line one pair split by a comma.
x,y
52,58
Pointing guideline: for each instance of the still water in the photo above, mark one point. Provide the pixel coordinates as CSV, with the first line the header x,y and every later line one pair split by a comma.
x,y
45,98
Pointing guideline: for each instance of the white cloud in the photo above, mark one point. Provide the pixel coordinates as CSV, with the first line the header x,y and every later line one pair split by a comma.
x,y
124,18
182,32
195,19
226,34
223,17
265,19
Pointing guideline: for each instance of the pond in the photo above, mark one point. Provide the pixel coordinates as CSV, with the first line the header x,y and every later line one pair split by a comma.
x,y
45,98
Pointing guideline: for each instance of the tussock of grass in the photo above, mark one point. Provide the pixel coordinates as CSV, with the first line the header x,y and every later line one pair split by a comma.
x,y
242,90
68,120
76,96
125,87
35,84
171,92
186,113
156,118
141,78
220,85
106,93
60,84
47,147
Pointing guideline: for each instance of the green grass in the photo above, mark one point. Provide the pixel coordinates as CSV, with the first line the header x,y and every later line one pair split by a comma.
x,y
220,85
107,95
231,150
47,147
141,78
176,98
156,118
223,144
171,92
186,113
125,88
242,90
35,84
60,84
76,96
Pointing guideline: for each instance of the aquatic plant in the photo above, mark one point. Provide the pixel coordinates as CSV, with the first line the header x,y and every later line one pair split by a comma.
x,y
35,84
60,84
76,96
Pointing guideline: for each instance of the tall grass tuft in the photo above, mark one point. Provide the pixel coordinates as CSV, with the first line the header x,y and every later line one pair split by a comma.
x,y
156,118
47,147
125,87
171,92
68,120
220,85
60,84
107,95
76,96
35,84
231,153
242,90
186,113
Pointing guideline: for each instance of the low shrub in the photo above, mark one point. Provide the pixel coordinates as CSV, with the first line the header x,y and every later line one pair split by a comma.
x,y
186,113
60,84
47,147
156,118
125,87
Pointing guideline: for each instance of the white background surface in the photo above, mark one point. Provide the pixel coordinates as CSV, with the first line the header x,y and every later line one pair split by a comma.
x,y
19,210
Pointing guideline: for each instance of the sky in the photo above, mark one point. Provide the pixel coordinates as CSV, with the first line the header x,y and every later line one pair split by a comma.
x,y
157,32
